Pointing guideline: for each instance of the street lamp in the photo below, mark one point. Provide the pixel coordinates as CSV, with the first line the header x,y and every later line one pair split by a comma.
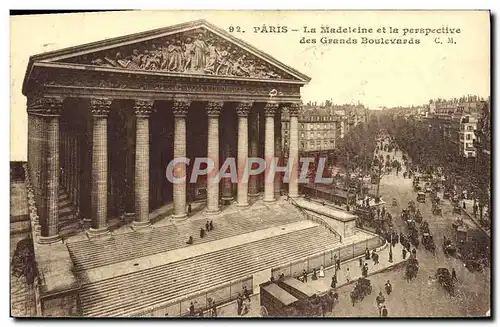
x,y
390,249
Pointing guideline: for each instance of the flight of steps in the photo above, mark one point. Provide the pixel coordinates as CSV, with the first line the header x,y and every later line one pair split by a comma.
x,y
89,254
130,294
67,213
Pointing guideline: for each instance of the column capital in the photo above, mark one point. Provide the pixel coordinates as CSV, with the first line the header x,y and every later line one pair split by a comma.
x,y
243,108
45,105
214,108
293,109
180,107
143,107
99,107
270,109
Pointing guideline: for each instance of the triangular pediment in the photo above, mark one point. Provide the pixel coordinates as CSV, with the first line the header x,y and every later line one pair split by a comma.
x,y
197,48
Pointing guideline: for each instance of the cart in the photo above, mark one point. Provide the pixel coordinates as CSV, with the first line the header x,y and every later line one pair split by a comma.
x,y
421,197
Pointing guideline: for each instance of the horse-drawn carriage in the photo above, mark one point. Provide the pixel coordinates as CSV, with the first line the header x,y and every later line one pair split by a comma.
x,y
418,217
449,248
291,298
436,209
411,268
421,197
444,278
361,289
428,242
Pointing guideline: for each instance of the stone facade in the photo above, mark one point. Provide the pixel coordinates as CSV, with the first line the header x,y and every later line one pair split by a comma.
x,y
105,118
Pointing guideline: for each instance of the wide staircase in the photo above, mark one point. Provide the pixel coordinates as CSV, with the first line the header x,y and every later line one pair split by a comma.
x,y
89,254
133,294
67,213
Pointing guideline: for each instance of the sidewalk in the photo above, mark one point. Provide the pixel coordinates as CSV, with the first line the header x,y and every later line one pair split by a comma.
x,y
323,284
469,212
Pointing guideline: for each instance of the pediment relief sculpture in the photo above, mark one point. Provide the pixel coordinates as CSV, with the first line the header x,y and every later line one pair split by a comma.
x,y
198,52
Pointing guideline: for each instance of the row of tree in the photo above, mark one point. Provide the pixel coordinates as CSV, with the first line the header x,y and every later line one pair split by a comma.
x,y
429,149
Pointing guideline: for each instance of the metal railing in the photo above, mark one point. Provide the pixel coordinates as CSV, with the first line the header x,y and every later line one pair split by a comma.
x,y
221,294
316,219
326,259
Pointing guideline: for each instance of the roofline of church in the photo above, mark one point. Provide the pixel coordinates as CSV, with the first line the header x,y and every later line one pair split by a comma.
x,y
157,33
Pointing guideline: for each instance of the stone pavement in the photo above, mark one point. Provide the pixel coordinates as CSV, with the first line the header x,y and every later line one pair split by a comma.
x,y
323,284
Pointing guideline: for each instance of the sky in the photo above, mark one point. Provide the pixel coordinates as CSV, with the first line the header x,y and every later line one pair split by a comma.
x,y
376,75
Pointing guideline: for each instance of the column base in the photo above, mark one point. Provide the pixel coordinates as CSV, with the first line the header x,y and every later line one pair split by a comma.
x,y
98,233
49,239
212,212
227,198
141,225
269,200
179,217
242,205
254,195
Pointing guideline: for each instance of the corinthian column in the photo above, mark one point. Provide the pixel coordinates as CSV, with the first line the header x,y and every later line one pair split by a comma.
x,y
277,152
180,109
242,111
99,201
293,156
213,112
51,108
142,109
253,183
270,112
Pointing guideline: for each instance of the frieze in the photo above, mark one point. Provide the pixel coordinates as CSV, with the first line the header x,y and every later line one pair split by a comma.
x,y
136,83
197,51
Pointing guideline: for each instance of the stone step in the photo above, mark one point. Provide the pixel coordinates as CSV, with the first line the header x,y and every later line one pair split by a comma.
x,y
90,254
131,293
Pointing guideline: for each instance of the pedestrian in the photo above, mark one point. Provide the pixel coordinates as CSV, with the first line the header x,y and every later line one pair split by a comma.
x,y
380,302
246,293
304,276
404,253
454,274
239,303
189,209
375,259
367,254
321,273
335,261
190,240
207,226
214,309
191,309
364,271
384,312
211,225
388,287
360,262
202,233
338,264
314,275
414,253
348,275
334,281
464,205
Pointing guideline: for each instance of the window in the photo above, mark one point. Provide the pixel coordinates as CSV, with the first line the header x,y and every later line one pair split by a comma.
x,y
301,144
470,128
301,134
467,137
318,143
302,126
